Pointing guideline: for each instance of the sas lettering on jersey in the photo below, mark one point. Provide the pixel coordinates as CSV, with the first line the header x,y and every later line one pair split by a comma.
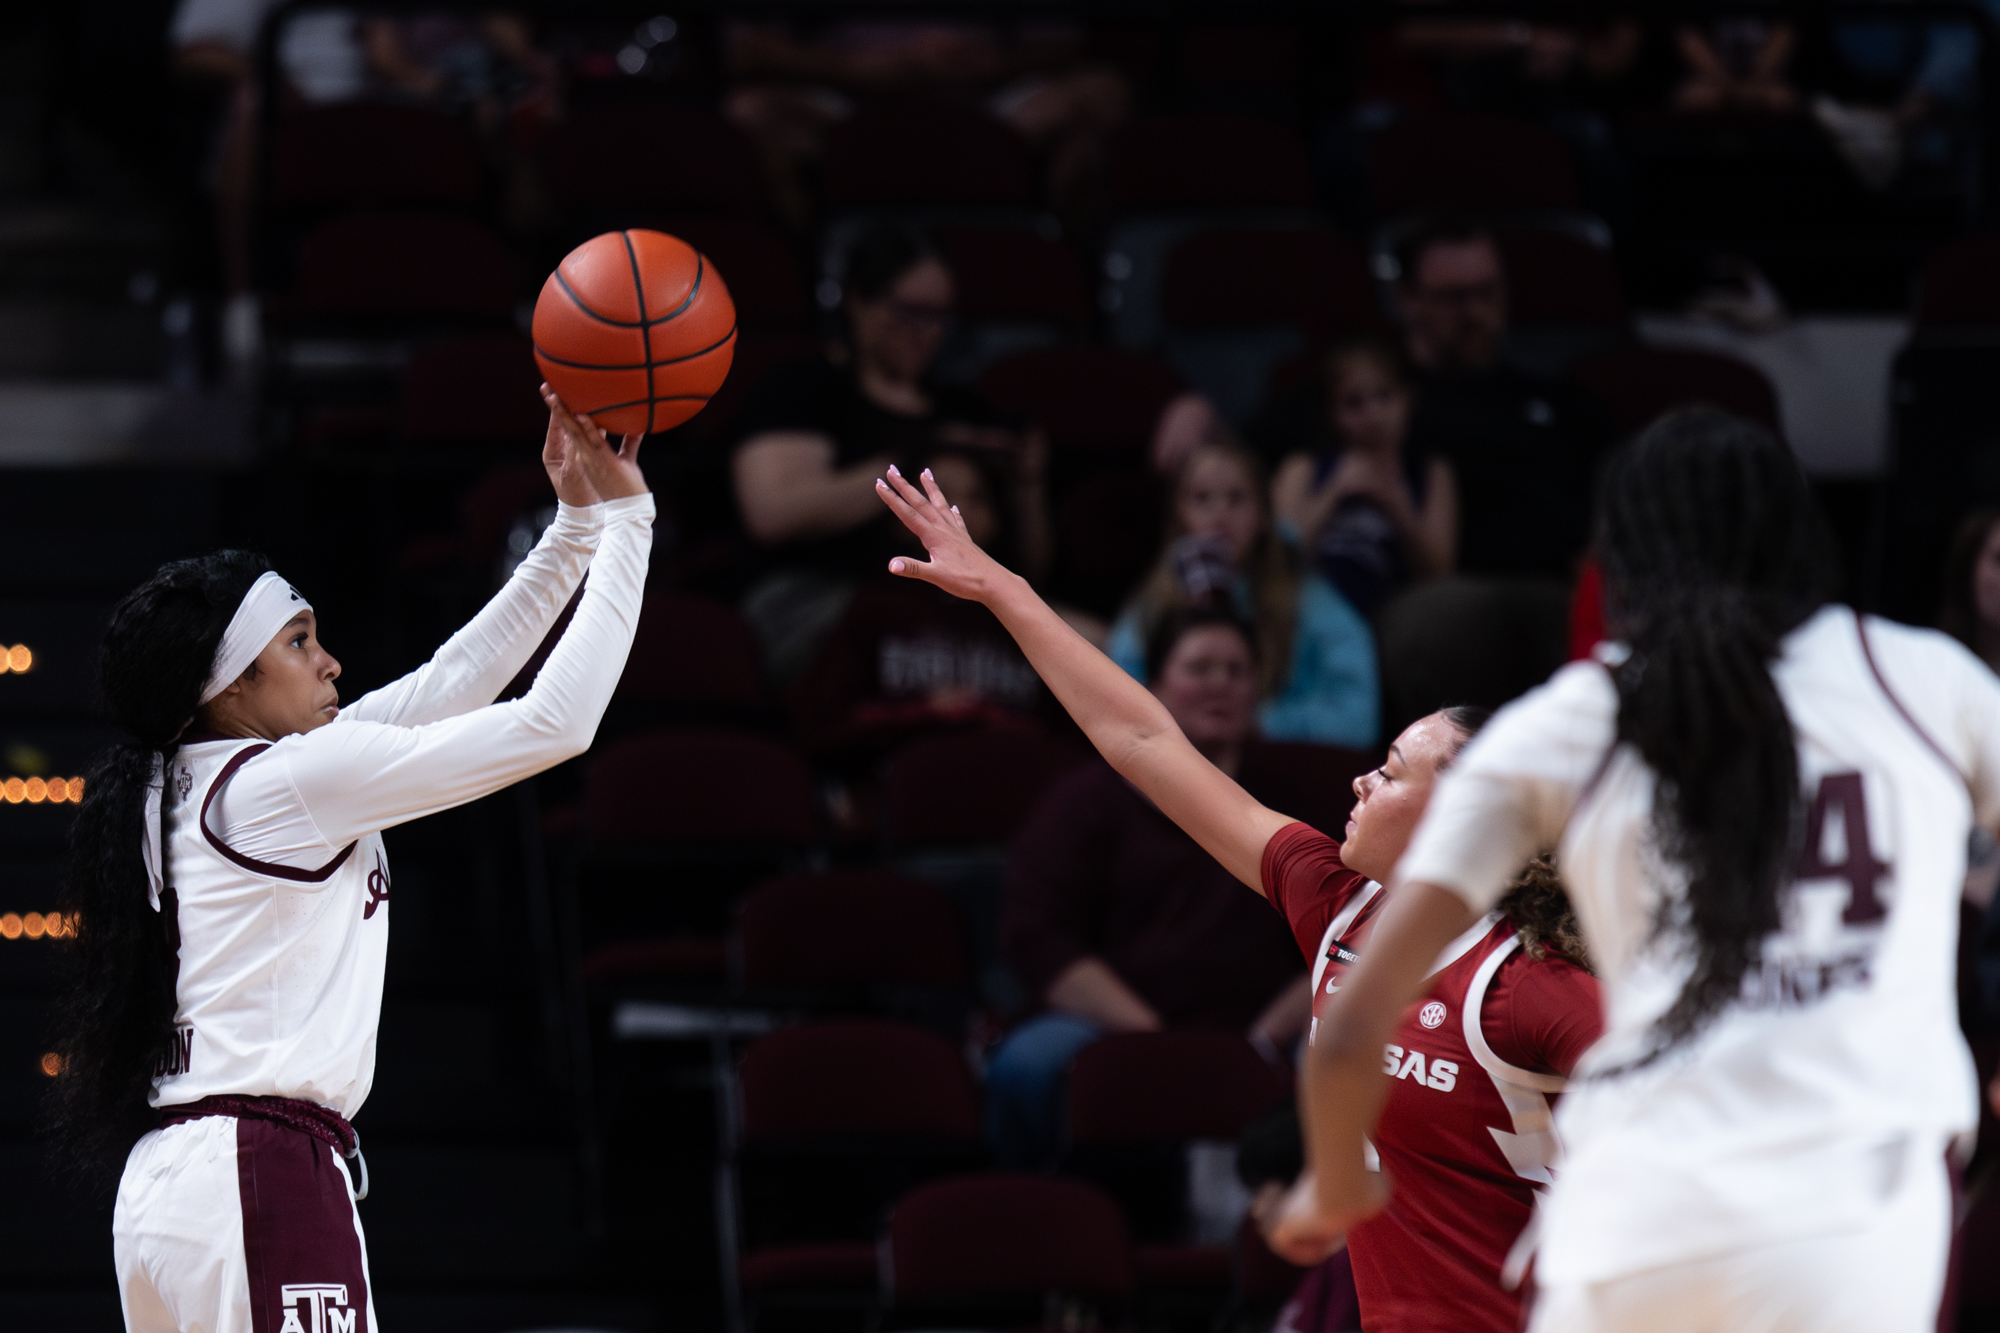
x,y
1411,1064
178,1058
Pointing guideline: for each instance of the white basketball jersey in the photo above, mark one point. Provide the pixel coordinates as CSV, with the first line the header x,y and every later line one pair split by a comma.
x,y
1840,1068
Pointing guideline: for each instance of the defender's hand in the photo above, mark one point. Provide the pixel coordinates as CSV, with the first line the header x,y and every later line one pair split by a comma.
x,y
957,565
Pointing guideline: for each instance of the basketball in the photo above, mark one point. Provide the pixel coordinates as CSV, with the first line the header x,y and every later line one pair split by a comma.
x,y
636,330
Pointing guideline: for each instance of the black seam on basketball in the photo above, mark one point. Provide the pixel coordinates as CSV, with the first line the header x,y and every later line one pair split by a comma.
x,y
647,402
639,294
636,365
700,268
577,301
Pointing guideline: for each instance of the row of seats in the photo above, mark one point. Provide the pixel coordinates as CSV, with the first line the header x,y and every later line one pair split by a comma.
x,y
930,154
843,1124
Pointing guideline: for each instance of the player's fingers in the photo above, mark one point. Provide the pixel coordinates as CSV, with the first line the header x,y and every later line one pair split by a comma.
x,y
936,493
958,521
918,502
904,567
628,446
897,504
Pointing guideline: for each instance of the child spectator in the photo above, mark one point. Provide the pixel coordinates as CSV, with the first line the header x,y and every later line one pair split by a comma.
x,y
1372,513
1316,654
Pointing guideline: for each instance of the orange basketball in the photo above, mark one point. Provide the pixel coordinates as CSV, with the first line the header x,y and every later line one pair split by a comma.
x,y
636,329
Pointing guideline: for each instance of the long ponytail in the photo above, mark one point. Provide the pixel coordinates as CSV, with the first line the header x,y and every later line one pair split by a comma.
x,y
115,1018
1713,550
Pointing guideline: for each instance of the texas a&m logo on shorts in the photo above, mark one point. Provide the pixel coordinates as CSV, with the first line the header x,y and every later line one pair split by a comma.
x,y
325,1304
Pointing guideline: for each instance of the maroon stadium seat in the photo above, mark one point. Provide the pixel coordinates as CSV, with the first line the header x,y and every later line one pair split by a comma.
x,y
649,154
1108,530
700,787
1002,1234
1638,384
1208,159
1012,273
476,389
929,153
409,267
1169,1087
1166,1089
1310,277
1098,398
1314,783
368,153
1242,55
825,1109
1960,285
1452,160
692,653
1554,277
973,787
851,928
763,273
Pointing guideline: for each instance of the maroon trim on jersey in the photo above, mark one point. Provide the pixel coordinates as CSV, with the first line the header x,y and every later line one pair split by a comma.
x,y
250,863
301,1243
1868,653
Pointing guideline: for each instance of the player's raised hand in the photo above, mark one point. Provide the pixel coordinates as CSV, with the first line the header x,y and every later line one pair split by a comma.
x,y
580,457
957,564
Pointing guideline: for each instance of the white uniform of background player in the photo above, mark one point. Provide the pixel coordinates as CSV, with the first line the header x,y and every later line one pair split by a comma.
x,y
1785,1168
281,890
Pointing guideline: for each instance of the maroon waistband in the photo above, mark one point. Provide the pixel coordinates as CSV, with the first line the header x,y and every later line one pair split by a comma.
x,y
328,1126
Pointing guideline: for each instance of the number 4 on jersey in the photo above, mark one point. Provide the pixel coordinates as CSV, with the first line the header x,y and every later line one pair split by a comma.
x,y
1856,861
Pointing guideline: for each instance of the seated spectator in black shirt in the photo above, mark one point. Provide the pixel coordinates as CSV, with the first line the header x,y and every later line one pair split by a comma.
x,y
907,659
1119,922
816,435
1373,513
1523,449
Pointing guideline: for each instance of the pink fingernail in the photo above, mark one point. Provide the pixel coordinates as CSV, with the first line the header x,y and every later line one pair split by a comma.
x,y
893,472
927,474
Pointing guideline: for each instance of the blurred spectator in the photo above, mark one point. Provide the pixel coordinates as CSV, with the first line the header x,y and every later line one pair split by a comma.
x,y
1522,449
907,658
816,434
1971,610
1736,62
1119,922
1910,77
487,65
1527,68
1315,654
214,44
1373,514
795,84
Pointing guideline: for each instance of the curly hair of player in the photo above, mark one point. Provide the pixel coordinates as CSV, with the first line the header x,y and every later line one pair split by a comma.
x,y
1538,907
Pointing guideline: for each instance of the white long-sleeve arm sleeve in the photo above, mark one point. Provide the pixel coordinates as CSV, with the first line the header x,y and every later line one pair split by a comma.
x,y
476,663
1508,795
356,778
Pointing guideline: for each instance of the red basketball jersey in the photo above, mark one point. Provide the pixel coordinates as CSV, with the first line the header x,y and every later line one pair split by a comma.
x,y
1466,1134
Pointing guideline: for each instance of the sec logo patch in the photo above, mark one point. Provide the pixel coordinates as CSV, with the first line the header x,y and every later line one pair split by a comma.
x,y
1431,1015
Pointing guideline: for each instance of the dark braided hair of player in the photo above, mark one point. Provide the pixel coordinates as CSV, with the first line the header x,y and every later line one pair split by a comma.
x,y
115,1017
1713,550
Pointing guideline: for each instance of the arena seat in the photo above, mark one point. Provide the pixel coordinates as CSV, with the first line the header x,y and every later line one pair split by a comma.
x,y
1959,287
1638,384
1108,530
403,268
850,930
707,812
837,1120
997,1248
927,154
1238,301
970,788
692,660
474,390
1136,1101
356,153
1182,160
655,155
1016,275
1090,398
1556,276
1461,160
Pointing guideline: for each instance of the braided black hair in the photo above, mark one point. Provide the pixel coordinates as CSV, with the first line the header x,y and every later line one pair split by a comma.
x,y
1713,549
115,1018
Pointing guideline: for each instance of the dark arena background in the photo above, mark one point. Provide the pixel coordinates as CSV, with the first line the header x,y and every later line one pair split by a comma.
x,y
683,1034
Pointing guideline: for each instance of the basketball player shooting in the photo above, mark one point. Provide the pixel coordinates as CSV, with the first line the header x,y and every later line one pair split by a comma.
x,y
228,876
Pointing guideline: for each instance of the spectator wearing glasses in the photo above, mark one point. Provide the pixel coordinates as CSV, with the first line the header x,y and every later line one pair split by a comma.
x,y
818,432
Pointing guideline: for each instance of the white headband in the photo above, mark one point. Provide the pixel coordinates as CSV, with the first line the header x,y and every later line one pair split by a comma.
x,y
266,608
